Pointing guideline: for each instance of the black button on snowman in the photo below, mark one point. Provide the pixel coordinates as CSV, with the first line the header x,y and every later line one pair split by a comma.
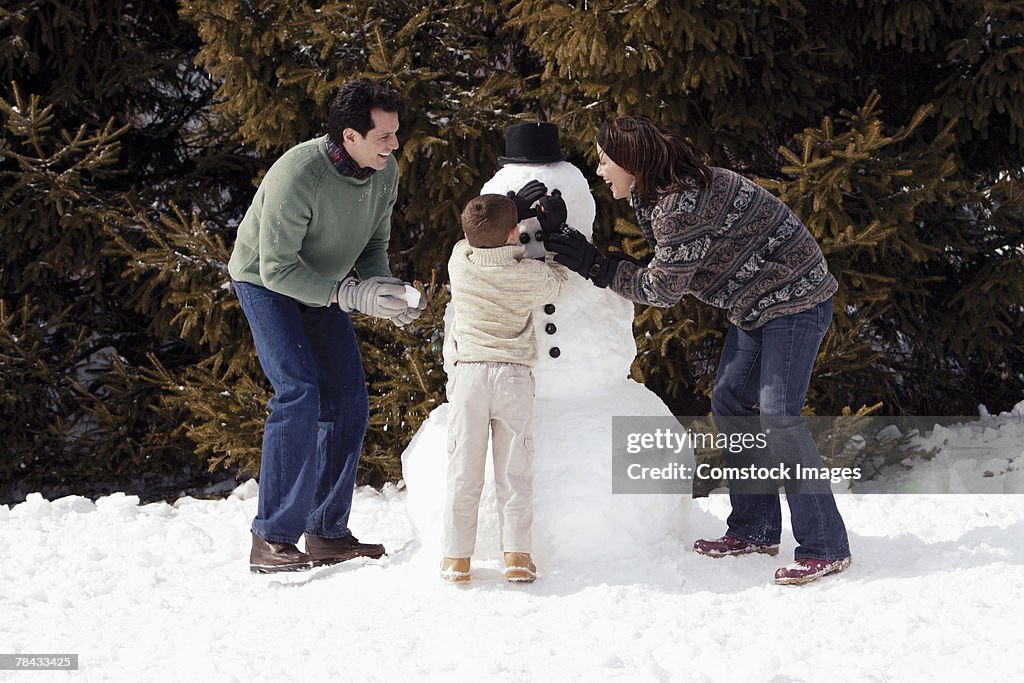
x,y
550,328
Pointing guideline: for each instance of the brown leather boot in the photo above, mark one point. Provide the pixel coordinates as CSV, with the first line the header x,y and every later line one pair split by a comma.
x,y
335,550
268,557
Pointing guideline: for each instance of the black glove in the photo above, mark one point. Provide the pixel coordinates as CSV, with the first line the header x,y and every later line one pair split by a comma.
x,y
552,214
620,256
524,199
576,253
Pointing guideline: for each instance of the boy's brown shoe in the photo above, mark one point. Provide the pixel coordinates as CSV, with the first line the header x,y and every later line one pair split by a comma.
x,y
455,569
519,568
268,557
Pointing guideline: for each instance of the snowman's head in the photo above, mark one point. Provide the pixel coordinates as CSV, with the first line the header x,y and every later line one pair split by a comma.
x,y
561,176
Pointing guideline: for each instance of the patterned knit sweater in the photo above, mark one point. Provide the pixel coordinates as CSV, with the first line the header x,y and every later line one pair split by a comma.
x,y
732,245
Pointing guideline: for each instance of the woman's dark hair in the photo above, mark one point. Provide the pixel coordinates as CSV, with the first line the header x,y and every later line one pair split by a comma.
x,y
351,107
661,162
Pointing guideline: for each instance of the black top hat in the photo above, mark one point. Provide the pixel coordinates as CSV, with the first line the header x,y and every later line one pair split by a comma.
x,y
531,143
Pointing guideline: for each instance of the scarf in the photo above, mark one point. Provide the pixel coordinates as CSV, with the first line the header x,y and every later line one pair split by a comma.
x,y
344,163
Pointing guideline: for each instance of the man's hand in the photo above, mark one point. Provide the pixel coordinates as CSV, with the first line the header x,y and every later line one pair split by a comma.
x,y
410,313
381,297
552,214
524,199
576,253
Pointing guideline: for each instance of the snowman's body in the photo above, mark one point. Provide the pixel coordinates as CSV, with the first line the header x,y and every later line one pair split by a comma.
x,y
585,349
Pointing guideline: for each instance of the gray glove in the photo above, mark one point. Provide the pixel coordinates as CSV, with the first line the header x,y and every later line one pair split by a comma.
x,y
411,312
381,297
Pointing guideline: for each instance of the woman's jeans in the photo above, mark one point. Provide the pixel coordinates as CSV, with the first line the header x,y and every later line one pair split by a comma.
x,y
318,415
771,367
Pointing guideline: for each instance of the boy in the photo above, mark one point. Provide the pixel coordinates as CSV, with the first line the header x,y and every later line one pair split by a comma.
x,y
491,387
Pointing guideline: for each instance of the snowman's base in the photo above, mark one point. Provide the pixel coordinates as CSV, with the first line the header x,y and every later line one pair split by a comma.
x,y
576,517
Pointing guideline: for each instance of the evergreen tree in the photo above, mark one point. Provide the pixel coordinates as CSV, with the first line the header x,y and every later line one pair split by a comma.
x,y
937,89
102,110
465,76
836,107
464,72
893,129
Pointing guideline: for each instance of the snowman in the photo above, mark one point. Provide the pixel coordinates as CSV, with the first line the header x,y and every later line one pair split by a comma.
x,y
586,348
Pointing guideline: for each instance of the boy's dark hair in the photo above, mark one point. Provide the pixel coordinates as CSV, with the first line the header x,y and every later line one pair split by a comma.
x,y
488,219
351,107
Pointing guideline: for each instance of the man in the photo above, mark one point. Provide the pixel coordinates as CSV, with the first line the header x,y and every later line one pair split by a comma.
x,y
322,210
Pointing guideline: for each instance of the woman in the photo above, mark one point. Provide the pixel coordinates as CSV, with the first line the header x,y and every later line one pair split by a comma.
x,y
733,245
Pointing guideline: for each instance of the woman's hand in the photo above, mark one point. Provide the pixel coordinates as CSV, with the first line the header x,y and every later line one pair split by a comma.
x,y
552,213
577,254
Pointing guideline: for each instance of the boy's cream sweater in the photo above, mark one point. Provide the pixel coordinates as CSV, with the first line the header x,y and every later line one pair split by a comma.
x,y
494,292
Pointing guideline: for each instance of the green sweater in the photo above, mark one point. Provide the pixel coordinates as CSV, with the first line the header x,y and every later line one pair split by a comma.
x,y
308,226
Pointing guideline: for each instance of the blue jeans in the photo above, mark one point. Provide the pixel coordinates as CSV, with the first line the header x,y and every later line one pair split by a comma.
x,y
318,415
771,367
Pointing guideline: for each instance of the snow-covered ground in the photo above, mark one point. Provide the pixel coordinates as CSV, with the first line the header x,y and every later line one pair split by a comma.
x,y
162,592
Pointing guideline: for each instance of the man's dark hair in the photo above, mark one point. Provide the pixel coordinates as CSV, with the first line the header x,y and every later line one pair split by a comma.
x,y
488,219
351,107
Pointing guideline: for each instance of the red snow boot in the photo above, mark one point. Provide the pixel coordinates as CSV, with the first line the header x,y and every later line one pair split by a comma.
x,y
807,569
